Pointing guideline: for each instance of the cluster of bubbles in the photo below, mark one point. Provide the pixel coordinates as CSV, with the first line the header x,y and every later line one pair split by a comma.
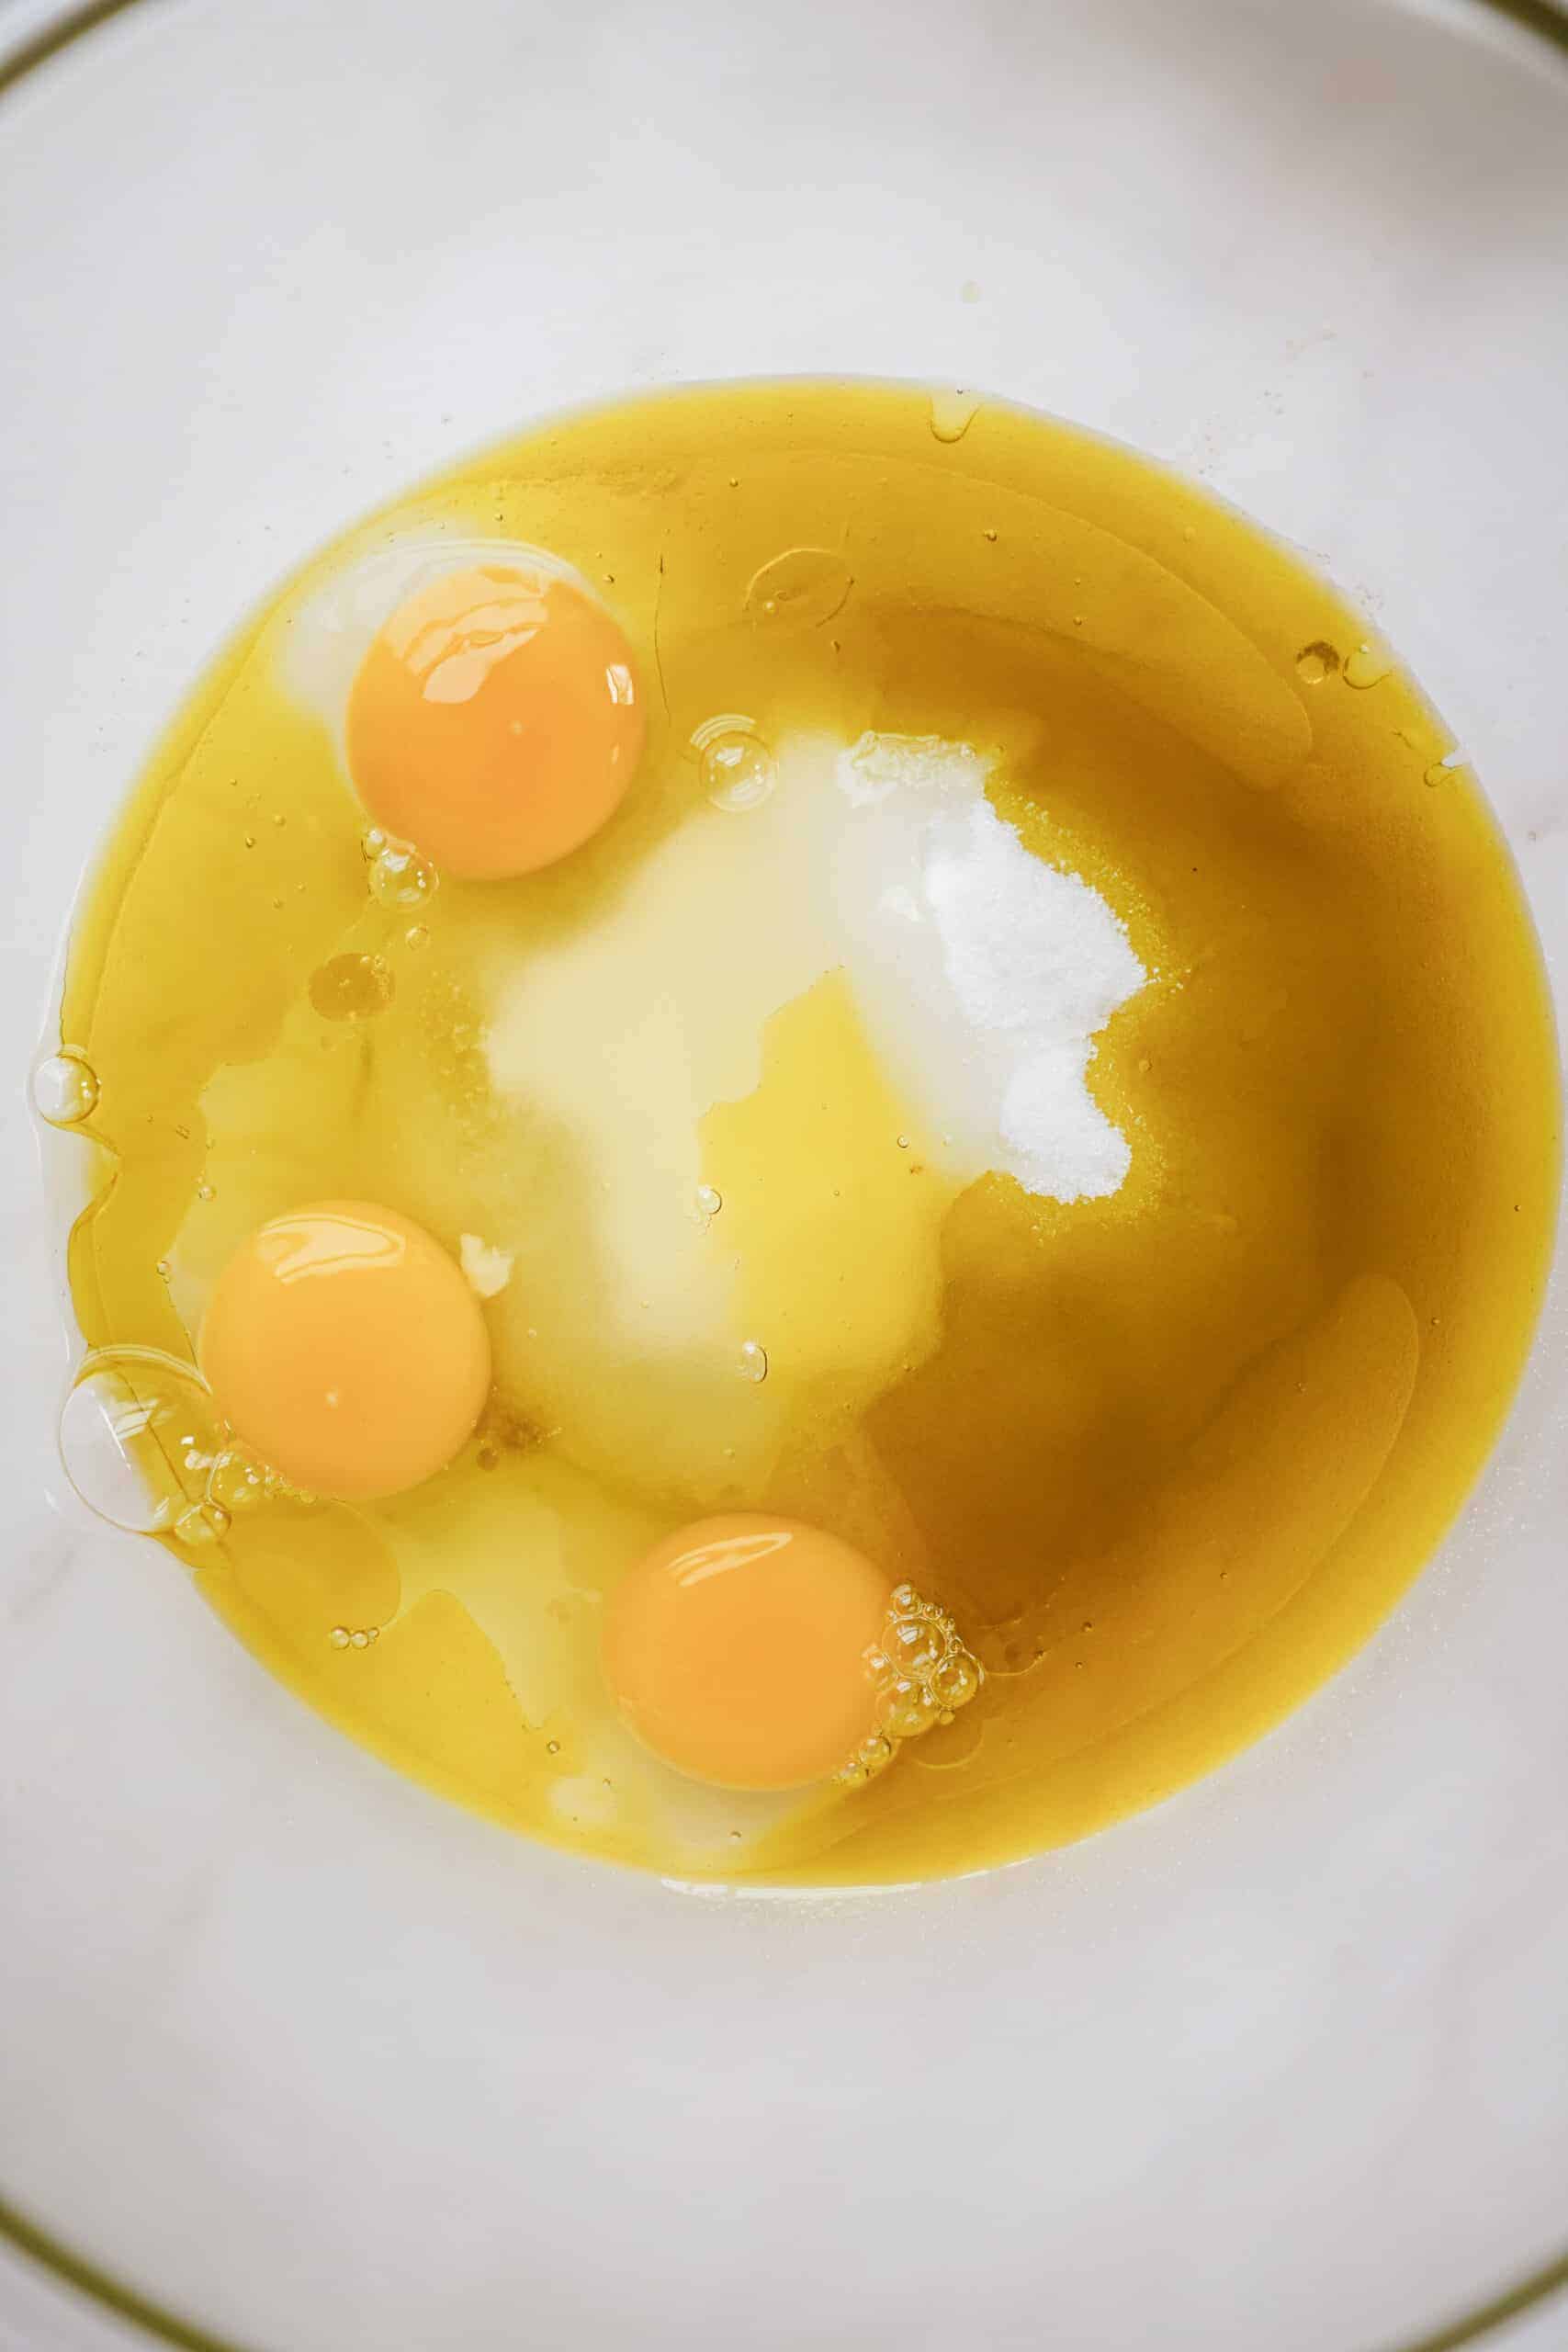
x,y
400,876
144,1447
1364,666
923,1675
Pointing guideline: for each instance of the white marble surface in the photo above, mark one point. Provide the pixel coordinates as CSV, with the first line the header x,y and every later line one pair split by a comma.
x,y
283,2041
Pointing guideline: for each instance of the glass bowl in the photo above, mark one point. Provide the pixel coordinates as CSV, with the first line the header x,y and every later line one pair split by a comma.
x,y
293,2056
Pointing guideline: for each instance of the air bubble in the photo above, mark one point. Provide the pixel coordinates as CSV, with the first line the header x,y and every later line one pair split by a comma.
x,y
352,987
339,1637
1316,662
417,935
915,1643
953,413
737,770
906,1712
400,878
236,1483
706,1203
752,1362
800,589
65,1088
1366,666
1442,770
203,1523
954,1680
138,1435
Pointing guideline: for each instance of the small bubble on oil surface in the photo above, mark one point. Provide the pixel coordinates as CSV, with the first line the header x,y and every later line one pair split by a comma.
x,y
65,1088
1316,662
206,1193
416,935
751,1361
915,1643
552,1748
1366,666
905,1711
706,1203
1442,770
954,1680
352,987
138,1433
339,1637
800,589
737,771
953,413
202,1523
400,876
236,1483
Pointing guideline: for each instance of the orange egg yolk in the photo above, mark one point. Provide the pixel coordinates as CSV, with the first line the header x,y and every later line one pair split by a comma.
x,y
344,1347
495,721
736,1650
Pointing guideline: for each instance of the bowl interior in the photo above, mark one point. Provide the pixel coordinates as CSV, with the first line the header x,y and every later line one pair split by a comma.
x,y
292,2051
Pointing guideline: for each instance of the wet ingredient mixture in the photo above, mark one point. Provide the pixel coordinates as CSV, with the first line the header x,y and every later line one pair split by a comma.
x,y
981,1144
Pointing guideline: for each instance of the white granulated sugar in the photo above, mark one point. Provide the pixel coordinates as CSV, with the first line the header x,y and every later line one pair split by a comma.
x,y
1027,949
982,973
1059,1141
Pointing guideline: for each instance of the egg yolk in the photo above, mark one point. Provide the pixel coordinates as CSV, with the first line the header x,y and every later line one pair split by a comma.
x,y
495,721
344,1347
736,1650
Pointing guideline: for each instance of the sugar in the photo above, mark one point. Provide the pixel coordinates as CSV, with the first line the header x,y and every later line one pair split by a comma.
x,y
1012,966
